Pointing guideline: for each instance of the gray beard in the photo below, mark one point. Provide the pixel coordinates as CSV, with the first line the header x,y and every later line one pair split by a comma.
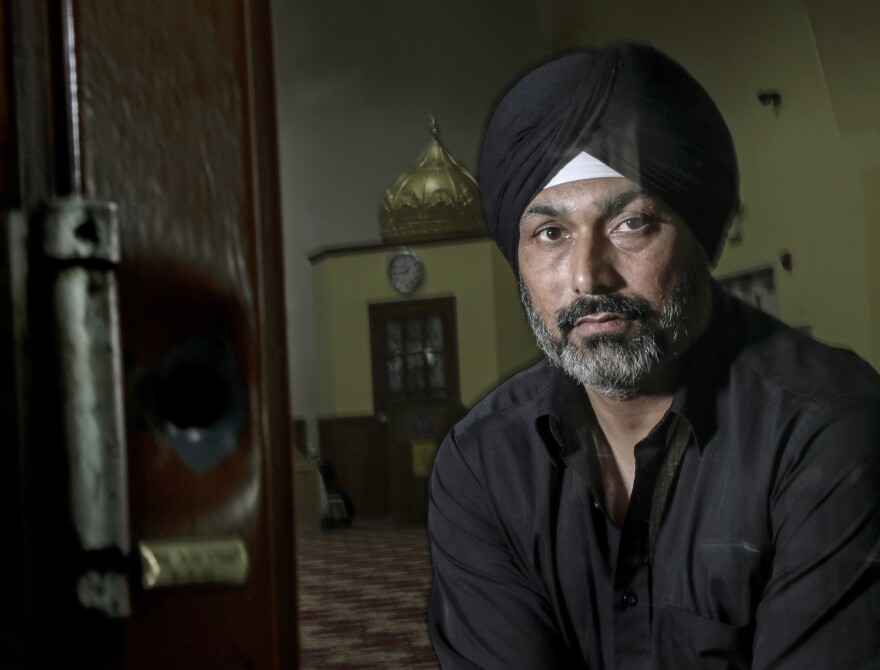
x,y
616,366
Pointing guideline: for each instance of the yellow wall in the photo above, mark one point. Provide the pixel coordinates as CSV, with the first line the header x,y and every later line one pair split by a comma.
x,y
516,344
805,186
493,336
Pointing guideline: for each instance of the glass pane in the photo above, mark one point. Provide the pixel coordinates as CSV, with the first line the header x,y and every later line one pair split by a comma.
x,y
394,366
393,339
415,376
413,334
434,332
436,371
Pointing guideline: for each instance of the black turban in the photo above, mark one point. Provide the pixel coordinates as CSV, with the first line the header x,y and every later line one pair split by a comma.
x,y
632,108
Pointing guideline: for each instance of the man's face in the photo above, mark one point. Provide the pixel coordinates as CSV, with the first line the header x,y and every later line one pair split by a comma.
x,y
615,285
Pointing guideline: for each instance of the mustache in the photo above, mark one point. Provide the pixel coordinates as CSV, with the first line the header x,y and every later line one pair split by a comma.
x,y
629,308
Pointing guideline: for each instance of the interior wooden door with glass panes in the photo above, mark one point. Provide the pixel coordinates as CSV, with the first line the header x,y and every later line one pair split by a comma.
x,y
416,395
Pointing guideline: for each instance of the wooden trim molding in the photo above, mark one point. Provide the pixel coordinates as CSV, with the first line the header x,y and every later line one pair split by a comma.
x,y
346,250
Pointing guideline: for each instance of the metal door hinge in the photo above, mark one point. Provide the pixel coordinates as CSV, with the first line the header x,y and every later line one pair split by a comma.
x,y
80,245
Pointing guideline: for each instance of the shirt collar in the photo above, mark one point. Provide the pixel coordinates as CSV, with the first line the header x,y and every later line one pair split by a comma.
x,y
707,370
573,426
572,423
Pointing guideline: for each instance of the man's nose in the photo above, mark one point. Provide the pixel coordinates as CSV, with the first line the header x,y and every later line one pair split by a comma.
x,y
593,266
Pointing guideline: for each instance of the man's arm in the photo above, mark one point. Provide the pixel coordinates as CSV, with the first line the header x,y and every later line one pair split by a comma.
x,y
821,607
484,611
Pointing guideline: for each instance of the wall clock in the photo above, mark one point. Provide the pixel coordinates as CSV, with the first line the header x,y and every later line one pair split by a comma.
x,y
406,271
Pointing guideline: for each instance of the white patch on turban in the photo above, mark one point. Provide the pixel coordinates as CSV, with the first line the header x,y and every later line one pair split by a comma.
x,y
582,166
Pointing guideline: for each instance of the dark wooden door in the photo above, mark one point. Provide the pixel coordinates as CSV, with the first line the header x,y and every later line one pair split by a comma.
x,y
415,393
164,109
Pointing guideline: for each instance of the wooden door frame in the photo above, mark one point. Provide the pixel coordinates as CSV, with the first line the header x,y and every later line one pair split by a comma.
x,y
39,605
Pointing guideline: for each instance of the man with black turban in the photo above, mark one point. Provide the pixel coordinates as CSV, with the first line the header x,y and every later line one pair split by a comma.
x,y
683,481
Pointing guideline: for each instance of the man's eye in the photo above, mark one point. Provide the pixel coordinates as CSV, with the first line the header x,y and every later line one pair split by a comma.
x,y
632,224
549,234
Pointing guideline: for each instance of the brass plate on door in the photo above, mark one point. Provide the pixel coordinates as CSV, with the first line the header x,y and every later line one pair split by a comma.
x,y
423,453
191,561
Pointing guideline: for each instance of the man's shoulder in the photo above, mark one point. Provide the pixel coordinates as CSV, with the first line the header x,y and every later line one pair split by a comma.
x,y
499,441
524,396
788,361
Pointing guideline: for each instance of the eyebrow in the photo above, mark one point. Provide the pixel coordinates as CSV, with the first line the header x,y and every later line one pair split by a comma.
x,y
621,200
544,209
607,206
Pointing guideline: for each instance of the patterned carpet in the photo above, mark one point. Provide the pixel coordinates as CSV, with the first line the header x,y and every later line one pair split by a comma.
x,y
362,598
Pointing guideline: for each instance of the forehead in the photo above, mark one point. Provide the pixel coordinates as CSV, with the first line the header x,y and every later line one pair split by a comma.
x,y
602,195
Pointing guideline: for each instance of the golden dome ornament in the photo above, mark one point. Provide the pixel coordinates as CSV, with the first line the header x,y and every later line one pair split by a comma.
x,y
438,198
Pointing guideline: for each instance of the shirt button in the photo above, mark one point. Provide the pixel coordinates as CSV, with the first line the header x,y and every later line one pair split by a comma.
x,y
596,505
630,599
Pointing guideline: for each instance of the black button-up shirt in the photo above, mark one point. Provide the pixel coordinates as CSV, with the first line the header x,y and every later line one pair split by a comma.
x,y
765,546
